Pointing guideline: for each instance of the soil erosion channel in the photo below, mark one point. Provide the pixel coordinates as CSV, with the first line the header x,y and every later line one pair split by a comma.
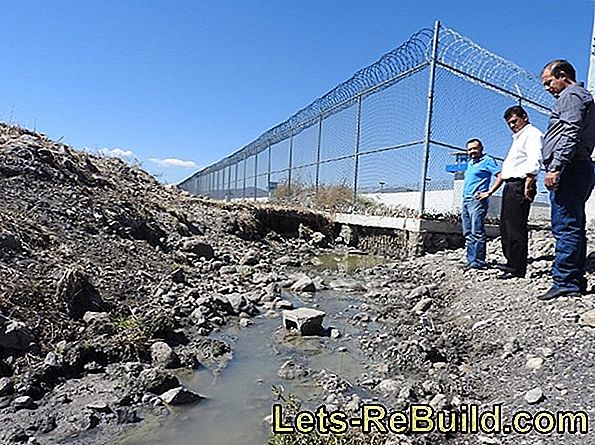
x,y
239,396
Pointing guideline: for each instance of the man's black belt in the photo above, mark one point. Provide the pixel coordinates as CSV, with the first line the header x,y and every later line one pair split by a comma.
x,y
514,179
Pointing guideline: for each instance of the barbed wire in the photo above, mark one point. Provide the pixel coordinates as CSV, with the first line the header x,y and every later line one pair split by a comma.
x,y
466,56
410,55
456,53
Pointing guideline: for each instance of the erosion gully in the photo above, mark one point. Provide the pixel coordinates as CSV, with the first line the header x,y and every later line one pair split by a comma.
x,y
239,396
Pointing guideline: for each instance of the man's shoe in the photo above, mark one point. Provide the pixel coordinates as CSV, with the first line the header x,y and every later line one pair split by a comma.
x,y
504,268
556,292
583,284
508,276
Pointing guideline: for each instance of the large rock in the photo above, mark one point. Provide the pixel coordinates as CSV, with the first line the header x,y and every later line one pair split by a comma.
x,y
6,387
127,415
250,259
238,302
347,235
198,247
588,319
180,396
288,260
78,294
388,386
96,317
319,239
306,321
422,305
158,381
347,284
534,396
291,370
304,284
14,335
23,402
163,356
54,359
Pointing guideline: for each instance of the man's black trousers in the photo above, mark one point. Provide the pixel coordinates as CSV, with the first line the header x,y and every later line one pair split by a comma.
x,y
513,226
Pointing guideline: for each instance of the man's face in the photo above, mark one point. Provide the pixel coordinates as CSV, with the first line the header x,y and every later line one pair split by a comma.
x,y
552,84
517,123
474,149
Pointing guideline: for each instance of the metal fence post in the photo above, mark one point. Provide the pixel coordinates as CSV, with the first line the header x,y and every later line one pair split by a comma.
x,y
290,164
255,174
358,118
215,183
223,177
318,145
235,186
269,172
244,187
430,106
229,183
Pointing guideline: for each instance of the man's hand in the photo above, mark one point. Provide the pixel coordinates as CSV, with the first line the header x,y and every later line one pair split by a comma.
x,y
483,195
530,188
551,180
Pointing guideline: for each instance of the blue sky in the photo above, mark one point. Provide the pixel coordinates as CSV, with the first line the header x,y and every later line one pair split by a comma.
x,y
180,84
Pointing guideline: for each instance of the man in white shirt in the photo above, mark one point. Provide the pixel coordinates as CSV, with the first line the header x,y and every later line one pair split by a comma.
x,y
519,173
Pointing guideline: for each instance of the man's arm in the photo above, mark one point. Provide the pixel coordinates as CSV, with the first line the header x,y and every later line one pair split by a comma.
x,y
571,107
497,183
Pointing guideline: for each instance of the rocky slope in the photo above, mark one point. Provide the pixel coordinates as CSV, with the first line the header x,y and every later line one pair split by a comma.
x,y
109,279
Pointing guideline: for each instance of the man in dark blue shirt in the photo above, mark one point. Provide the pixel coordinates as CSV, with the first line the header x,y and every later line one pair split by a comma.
x,y
478,176
567,150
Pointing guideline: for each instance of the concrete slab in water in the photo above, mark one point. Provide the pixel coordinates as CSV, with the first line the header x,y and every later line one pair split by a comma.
x,y
307,321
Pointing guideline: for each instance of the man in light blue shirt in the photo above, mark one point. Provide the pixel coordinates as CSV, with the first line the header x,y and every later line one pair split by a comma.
x,y
476,191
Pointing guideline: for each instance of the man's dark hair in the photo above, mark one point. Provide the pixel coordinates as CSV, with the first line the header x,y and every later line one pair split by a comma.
x,y
516,110
474,140
559,66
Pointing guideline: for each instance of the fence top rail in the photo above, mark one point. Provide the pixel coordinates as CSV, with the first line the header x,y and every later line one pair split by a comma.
x,y
454,50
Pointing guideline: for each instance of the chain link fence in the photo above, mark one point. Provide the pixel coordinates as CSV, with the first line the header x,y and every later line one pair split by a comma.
x,y
392,136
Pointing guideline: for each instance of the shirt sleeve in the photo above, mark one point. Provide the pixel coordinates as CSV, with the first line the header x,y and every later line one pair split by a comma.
x,y
533,146
493,167
571,118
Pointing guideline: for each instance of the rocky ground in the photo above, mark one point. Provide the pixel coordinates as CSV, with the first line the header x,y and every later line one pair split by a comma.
x,y
451,337
110,281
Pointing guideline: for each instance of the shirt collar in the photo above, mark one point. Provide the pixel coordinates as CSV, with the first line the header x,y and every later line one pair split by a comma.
x,y
518,133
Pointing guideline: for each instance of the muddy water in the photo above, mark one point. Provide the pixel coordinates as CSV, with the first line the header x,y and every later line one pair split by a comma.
x,y
239,397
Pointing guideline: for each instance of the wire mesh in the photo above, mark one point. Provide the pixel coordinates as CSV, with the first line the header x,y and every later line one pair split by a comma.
x,y
305,146
391,177
338,135
395,115
367,134
262,162
250,167
340,173
280,156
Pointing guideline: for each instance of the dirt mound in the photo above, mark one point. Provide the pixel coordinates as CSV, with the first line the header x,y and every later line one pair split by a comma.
x,y
98,261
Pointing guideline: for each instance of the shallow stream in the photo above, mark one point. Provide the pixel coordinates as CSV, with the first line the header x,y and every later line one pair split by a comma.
x,y
239,396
